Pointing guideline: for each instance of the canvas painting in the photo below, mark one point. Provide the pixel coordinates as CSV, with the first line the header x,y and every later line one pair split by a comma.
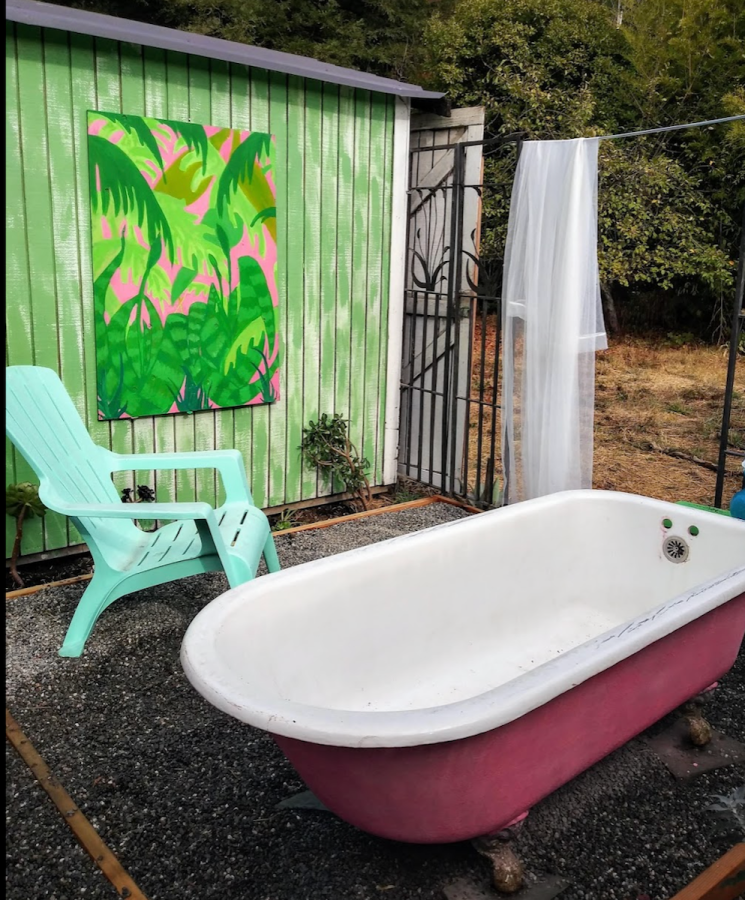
x,y
184,247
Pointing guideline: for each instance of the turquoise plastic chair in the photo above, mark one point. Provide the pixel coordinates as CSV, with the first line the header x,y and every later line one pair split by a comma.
x,y
75,479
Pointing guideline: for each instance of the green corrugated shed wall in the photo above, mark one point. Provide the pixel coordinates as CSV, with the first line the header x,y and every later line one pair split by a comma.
x,y
334,177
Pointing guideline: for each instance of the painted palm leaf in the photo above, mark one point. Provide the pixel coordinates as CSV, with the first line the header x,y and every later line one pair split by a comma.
x,y
190,237
255,296
243,172
177,182
102,282
141,129
124,189
185,333
244,329
111,362
153,367
194,136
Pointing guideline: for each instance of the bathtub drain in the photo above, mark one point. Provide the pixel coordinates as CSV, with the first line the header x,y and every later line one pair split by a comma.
x,y
675,549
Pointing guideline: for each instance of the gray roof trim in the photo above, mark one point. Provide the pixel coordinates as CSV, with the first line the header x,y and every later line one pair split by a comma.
x,y
48,15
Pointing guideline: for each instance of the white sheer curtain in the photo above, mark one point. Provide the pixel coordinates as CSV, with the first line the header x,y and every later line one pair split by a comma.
x,y
552,319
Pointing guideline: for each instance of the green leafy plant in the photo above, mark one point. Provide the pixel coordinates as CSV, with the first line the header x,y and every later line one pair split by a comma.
x,y
21,502
326,444
678,408
284,521
142,494
680,339
402,495
670,205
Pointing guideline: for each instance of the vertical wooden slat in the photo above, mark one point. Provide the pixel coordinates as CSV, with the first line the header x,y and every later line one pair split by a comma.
x,y
37,198
18,350
259,415
344,242
19,322
399,131
61,126
294,263
373,320
229,104
328,249
156,106
385,263
83,98
18,312
278,115
133,103
200,111
108,89
360,280
177,87
311,270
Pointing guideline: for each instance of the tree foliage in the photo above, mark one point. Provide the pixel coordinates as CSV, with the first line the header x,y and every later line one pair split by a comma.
x,y
378,36
548,68
669,205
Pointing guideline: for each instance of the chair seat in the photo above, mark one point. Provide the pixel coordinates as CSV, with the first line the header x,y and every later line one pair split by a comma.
x,y
243,527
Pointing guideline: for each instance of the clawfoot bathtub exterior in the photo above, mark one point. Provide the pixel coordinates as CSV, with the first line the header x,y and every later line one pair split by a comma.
x,y
432,687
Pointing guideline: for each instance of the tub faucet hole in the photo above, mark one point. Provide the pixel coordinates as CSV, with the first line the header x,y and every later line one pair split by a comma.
x,y
675,549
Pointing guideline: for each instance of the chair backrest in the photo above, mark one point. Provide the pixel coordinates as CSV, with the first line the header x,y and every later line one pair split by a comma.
x,y
44,425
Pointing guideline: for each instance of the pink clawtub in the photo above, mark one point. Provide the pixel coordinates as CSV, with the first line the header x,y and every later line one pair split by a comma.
x,y
431,688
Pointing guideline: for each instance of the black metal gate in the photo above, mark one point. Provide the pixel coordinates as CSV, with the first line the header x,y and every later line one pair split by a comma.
x,y
450,382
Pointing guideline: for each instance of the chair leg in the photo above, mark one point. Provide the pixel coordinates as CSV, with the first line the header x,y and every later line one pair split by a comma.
x,y
96,597
270,555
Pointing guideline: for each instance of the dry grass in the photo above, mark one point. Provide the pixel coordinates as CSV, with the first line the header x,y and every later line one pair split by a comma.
x,y
652,394
650,397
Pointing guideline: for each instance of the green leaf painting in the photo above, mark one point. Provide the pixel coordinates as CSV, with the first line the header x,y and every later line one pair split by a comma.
x,y
184,266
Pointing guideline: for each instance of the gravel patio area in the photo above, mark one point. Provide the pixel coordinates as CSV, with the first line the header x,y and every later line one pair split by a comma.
x,y
186,797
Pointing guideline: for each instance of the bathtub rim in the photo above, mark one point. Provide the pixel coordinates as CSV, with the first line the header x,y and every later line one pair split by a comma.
x,y
464,718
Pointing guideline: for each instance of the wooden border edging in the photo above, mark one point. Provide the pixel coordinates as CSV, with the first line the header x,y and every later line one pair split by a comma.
x,y
326,523
724,880
86,834
22,592
396,507
472,509
339,520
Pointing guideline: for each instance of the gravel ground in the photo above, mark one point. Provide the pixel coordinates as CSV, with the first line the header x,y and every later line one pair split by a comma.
x,y
186,796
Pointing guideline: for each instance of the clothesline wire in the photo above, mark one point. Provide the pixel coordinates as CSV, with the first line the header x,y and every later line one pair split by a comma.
x,y
610,137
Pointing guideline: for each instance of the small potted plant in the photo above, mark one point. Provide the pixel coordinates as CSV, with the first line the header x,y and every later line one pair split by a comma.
x,y
326,444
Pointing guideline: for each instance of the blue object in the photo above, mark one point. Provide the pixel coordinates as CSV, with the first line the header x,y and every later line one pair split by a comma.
x,y
737,503
75,479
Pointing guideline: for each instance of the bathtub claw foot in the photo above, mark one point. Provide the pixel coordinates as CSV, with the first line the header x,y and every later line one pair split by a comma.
x,y
508,872
699,730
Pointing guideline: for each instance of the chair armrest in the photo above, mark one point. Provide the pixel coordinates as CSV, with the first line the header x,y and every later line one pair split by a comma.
x,y
137,510
229,463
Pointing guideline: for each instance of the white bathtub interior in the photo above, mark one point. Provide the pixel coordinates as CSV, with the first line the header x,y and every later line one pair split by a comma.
x,y
454,611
